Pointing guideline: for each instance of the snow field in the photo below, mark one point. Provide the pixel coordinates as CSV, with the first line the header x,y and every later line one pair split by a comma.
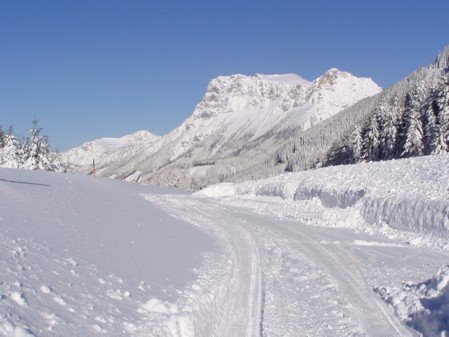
x,y
83,256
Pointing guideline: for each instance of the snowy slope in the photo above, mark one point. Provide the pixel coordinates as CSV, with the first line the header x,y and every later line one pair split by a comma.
x,y
239,113
83,257
107,150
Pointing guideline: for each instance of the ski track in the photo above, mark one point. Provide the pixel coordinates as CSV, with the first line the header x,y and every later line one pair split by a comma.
x,y
338,264
240,314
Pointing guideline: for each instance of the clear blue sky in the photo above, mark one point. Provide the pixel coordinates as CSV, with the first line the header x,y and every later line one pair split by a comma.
x,y
96,68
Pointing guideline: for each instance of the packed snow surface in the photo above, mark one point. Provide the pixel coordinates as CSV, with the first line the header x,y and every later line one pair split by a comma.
x,y
295,255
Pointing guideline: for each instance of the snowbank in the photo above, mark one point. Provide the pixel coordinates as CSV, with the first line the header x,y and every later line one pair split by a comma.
x,y
410,194
424,306
217,190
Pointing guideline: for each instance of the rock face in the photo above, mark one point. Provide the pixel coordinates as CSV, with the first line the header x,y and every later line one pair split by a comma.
x,y
237,115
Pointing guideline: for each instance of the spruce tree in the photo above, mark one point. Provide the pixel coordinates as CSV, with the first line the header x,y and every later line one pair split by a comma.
x,y
357,145
413,133
371,139
444,105
431,112
2,137
12,151
389,131
440,103
37,154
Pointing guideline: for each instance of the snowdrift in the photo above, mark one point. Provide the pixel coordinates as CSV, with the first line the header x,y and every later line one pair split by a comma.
x,y
424,305
409,194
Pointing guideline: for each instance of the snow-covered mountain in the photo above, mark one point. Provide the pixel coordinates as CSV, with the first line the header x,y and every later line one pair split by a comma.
x,y
410,118
107,150
249,107
237,114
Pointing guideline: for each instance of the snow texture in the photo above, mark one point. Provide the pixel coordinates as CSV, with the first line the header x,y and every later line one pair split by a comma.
x,y
84,256
422,305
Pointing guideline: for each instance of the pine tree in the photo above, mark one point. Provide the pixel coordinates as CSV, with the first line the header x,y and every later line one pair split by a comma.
x,y
389,131
371,139
444,104
37,154
440,103
440,143
12,151
2,138
431,112
357,144
414,135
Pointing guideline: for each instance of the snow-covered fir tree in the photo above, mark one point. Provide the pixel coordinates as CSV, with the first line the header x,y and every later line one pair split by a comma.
x,y
32,153
12,152
2,138
371,142
389,133
444,104
413,131
37,154
357,144
431,112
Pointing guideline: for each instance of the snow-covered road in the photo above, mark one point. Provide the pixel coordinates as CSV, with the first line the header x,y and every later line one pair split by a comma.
x,y
291,279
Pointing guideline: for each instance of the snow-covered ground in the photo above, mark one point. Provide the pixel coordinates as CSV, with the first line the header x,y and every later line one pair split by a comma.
x,y
397,215
84,256
318,253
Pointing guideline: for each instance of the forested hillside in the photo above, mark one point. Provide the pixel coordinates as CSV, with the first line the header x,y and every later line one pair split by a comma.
x,y
410,119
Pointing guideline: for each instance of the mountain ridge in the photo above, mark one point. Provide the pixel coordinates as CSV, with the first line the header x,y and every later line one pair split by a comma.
x,y
236,111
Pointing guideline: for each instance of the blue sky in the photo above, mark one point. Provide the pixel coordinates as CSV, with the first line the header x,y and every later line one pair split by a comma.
x,y
90,69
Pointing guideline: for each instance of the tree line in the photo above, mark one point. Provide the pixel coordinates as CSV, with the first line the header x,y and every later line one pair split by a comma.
x,y
419,125
32,152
